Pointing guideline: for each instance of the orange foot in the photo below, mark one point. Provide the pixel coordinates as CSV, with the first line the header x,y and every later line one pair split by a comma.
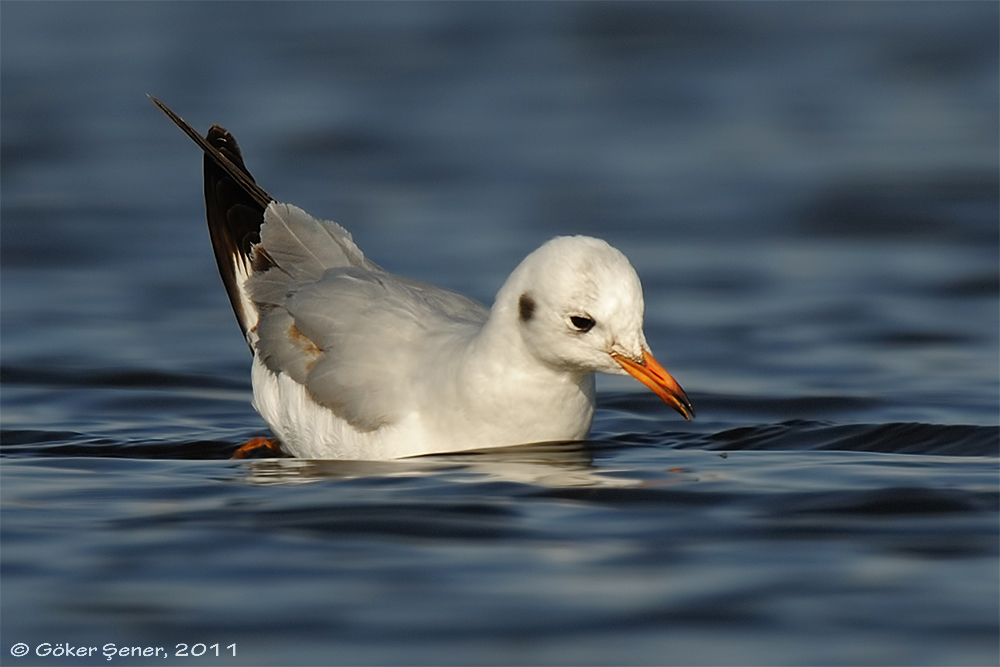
x,y
258,448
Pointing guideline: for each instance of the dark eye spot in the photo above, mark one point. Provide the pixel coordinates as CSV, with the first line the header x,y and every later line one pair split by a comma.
x,y
582,323
526,307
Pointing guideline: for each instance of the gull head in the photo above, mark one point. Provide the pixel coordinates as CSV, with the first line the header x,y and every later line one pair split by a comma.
x,y
578,306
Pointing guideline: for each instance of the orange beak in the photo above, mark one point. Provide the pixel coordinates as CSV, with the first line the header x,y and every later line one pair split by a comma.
x,y
655,376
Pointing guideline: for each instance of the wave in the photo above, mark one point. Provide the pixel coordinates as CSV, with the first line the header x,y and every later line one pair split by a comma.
x,y
27,442
895,438
797,435
116,379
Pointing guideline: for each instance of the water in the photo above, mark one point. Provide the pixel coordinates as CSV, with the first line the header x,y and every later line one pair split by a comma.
x,y
808,191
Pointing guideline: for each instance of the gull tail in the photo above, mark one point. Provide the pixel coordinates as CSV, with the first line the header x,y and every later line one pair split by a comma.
x,y
234,206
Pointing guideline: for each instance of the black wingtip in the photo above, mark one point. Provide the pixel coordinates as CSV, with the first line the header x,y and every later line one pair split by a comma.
x,y
234,208
237,172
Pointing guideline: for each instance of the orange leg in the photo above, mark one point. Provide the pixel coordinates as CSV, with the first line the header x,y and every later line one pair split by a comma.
x,y
254,448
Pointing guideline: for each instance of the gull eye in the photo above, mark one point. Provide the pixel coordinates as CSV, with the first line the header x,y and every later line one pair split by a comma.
x,y
582,323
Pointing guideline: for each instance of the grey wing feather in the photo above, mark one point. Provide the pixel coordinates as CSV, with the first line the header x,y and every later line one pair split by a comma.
x,y
304,247
269,288
342,326
358,326
282,347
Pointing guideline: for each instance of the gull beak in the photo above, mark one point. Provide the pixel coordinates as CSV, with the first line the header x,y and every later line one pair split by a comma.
x,y
653,375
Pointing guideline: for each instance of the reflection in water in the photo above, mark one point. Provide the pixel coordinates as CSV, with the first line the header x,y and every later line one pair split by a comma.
x,y
554,464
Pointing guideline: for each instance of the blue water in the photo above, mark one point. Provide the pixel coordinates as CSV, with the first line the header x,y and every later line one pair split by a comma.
x,y
807,190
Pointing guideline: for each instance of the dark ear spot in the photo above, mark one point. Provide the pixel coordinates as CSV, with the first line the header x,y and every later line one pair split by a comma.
x,y
526,307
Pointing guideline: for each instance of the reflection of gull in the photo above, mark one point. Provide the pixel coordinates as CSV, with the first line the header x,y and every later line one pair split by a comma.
x,y
351,362
556,464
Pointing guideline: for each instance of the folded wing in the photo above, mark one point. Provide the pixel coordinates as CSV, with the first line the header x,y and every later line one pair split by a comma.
x,y
312,306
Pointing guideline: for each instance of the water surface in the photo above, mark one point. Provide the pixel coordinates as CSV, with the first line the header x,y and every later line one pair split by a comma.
x,y
808,192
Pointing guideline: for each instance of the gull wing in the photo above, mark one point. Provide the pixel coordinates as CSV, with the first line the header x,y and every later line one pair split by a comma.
x,y
357,337
313,307
237,209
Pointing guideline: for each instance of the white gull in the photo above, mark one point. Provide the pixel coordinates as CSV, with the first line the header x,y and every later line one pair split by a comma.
x,y
353,362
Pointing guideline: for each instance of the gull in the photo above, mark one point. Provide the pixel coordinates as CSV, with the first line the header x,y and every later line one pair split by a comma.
x,y
353,362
